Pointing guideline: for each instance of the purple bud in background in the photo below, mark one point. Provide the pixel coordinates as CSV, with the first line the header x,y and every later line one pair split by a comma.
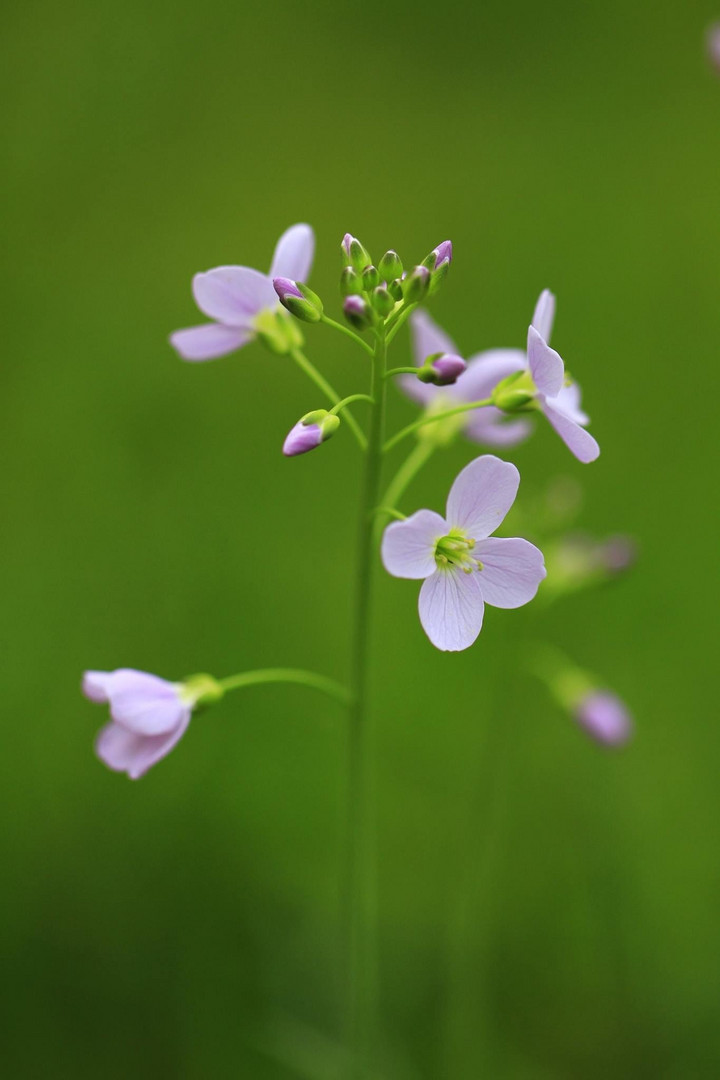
x,y
712,44
284,287
301,438
604,717
346,242
357,312
443,254
448,368
618,554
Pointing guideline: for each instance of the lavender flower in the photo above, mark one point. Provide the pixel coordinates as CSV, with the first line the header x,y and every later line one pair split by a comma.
x,y
545,383
149,717
712,42
462,567
237,298
485,370
604,716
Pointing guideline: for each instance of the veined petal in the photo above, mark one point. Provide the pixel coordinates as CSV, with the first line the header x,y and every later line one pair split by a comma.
x,y
544,314
491,427
125,751
408,547
485,370
451,609
142,703
209,341
568,403
512,571
234,294
293,255
579,441
481,496
428,337
546,366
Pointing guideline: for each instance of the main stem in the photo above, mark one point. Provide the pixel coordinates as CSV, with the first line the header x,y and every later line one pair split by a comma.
x,y
360,855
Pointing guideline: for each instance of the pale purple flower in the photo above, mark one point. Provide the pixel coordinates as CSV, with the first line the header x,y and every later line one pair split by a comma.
x,y
559,401
604,716
463,567
237,296
712,42
485,370
149,716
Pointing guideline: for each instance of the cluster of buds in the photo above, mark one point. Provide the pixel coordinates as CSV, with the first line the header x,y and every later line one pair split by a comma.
x,y
372,293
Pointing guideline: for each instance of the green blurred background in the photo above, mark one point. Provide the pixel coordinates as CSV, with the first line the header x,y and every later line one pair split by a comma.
x,y
549,911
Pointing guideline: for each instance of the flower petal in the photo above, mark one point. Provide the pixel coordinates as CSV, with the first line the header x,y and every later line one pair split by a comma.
x,y
428,338
451,609
142,703
544,314
512,571
96,684
491,427
485,370
568,403
293,255
233,294
408,547
209,341
125,751
579,441
481,495
546,366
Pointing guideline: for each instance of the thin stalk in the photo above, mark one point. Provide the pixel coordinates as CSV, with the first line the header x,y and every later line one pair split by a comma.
x,y
288,675
348,333
332,395
399,320
360,887
433,419
349,400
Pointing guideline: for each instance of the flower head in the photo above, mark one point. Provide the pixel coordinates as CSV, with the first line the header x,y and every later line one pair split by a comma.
x,y
544,381
462,566
604,716
484,371
149,715
240,299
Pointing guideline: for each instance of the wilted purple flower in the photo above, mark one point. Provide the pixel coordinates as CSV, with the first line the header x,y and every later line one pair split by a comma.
x,y
485,370
712,41
463,567
236,296
604,716
149,716
558,401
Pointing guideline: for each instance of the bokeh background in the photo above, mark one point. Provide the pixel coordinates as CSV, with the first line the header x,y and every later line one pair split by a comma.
x,y
549,911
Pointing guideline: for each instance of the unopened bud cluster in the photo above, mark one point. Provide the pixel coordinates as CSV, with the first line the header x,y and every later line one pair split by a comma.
x,y
372,293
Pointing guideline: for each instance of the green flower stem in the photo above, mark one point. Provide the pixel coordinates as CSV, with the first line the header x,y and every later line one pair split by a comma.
x,y
332,395
433,419
391,512
288,675
399,320
359,869
409,469
347,332
402,371
348,401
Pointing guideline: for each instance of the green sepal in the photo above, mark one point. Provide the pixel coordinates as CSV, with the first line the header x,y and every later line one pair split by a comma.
x,y
278,332
327,422
382,301
360,257
395,289
415,285
370,278
309,309
350,282
390,266
201,690
516,393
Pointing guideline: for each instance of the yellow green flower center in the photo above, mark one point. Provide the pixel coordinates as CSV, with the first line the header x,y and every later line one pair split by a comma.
x,y
453,552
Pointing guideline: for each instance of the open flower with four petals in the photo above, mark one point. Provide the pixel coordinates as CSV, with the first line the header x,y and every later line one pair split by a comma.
x,y
462,565
240,299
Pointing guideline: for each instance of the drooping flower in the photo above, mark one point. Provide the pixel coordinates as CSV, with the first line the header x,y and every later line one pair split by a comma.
x,y
149,715
544,382
240,299
463,567
484,371
604,716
